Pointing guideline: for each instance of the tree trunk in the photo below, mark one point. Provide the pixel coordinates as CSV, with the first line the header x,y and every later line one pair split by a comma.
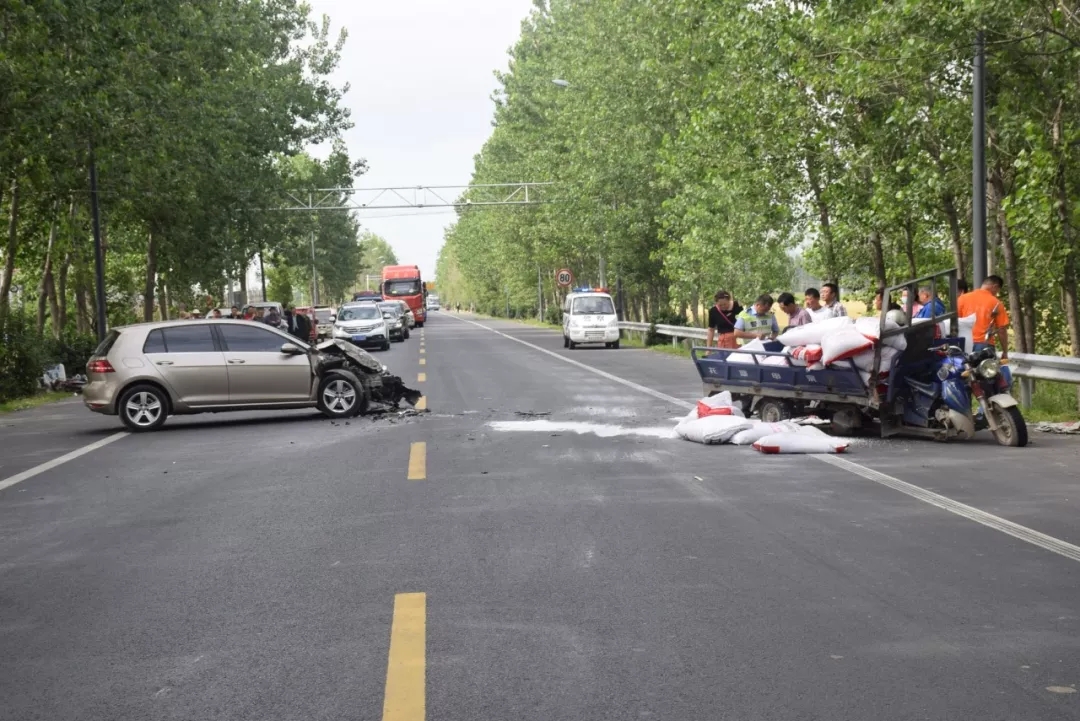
x,y
1062,205
1012,273
151,278
12,247
993,210
1028,312
243,290
877,257
61,317
831,270
955,234
44,287
909,249
163,297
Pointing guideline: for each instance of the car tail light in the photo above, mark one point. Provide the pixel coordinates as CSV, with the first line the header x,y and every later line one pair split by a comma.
x,y
99,365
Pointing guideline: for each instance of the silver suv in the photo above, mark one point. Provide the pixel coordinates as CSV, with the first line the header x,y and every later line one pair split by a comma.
x,y
146,372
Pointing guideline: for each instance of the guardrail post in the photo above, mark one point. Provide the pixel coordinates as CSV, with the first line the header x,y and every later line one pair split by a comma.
x,y
1025,393
674,341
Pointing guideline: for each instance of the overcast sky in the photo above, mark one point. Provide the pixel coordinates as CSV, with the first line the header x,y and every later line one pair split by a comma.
x,y
421,77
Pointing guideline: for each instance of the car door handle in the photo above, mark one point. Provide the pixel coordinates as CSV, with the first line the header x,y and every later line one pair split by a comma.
x,y
236,360
164,363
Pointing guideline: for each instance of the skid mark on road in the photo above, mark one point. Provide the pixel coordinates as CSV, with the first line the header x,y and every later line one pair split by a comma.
x,y
1023,533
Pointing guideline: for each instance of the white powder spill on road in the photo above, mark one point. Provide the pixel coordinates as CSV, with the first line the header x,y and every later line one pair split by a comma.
x,y
602,430
609,411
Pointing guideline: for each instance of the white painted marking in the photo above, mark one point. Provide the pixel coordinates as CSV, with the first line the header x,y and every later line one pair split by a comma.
x,y
596,371
600,429
989,520
1023,533
48,465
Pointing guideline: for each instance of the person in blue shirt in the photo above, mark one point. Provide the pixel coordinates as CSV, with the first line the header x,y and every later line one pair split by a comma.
x,y
929,305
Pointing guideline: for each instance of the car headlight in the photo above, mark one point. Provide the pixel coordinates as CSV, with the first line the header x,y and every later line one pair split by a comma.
x,y
989,368
339,332
575,323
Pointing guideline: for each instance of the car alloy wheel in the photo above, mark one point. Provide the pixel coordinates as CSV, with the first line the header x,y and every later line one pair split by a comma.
x,y
143,409
339,396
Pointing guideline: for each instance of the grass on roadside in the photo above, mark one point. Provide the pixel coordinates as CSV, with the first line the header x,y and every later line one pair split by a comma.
x,y
1051,402
39,399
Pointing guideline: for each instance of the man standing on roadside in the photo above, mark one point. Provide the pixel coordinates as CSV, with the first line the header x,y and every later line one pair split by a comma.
x,y
722,317
796,316
991,318
829,305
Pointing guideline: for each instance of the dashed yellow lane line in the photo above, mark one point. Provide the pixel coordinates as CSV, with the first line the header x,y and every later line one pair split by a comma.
x,y
421,377
421,405
406,670
423,361
421,351
418,461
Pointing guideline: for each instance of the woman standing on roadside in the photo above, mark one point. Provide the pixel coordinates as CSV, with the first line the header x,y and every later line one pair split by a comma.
x,y
722,317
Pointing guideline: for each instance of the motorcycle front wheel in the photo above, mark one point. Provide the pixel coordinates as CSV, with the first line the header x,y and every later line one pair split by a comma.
x,y
1011,428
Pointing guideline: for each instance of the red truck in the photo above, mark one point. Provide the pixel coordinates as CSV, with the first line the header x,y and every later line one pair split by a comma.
x,y
403,282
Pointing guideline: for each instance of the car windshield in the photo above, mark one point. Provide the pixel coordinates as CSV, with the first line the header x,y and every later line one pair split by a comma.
x,y
323,315
391,308
401,287
360,312
595,305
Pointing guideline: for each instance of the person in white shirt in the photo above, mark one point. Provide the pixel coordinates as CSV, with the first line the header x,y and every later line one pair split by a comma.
x,y
824,304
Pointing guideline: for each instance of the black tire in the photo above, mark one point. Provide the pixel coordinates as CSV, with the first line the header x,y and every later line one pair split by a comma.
x,y
571,344
341,395
773,410
385,345
143,408
614,346
565,342
1012,429
406,335
419,324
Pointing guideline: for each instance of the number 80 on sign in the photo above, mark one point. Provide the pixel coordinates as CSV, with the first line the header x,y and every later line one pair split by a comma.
x,y
564,277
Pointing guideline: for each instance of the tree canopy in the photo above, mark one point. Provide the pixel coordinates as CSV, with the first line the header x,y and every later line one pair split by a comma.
x,y
725,144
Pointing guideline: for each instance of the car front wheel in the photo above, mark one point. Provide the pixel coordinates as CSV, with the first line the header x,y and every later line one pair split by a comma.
x,y
342,395
144,408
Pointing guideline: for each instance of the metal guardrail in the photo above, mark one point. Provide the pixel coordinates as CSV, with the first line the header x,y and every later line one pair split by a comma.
x,y
676,332
1028,367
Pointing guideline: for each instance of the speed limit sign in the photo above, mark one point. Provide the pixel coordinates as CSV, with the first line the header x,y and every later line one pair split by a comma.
x,y
564,277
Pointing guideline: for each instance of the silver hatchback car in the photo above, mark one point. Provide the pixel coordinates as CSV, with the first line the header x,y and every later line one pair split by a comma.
x,y
146,372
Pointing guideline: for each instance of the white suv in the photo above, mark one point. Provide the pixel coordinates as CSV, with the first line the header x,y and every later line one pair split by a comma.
x,y
589,317
363,324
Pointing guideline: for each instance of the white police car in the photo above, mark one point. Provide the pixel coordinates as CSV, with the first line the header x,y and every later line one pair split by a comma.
x,y
589,317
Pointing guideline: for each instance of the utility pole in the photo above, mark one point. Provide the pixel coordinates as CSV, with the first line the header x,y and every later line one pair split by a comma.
x,y
99,250
978,170
262,274
314,276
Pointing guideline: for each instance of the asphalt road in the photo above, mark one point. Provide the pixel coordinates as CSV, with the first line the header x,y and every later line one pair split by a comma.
x,y
552,557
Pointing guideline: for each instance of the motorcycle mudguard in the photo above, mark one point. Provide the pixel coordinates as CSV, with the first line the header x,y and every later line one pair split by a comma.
x,y
955,395
1002,400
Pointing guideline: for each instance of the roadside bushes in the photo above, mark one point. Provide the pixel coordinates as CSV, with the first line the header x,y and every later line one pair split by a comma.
x,y
24,355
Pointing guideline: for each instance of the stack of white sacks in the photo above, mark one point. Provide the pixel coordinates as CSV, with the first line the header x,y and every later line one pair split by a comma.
x,y
717,420
837,342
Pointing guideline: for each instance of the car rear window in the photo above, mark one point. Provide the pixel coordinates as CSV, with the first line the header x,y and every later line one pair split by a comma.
x,y
189,339
106,343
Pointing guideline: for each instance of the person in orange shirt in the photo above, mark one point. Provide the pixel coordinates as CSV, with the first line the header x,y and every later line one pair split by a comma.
x,y
991,318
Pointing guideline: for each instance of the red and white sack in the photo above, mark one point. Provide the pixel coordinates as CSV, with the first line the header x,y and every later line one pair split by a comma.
x,y
813,333
763,430
711,430
718,405
801,443
842,344
805,355
871,328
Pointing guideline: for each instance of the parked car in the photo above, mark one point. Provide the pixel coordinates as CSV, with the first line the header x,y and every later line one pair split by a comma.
x,y
399,327
407,311
363,324
147,372
324,322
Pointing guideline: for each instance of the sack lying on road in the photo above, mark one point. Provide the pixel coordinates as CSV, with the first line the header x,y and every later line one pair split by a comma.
x,y
704,410
718,405
763,430
801,443
712,429
842,344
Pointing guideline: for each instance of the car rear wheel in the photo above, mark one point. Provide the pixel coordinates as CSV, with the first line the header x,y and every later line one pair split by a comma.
x,y
144,408
342,395
419,324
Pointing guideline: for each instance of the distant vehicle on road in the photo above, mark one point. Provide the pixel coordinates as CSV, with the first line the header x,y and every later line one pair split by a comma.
x,y
268,305
406,311
147,372
395,321
589,317
367,295
432,301
362,324
403,282
324,322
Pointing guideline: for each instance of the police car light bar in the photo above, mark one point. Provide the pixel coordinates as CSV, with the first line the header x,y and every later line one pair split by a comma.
x,y
589,290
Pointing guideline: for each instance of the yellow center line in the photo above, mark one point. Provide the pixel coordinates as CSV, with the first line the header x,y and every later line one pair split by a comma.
x,y
421,405
421,377
423,361
418,461
421,351
406,669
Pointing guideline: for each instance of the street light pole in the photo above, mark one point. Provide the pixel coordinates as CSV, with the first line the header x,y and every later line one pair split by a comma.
x,y
978,170
99,250
314,277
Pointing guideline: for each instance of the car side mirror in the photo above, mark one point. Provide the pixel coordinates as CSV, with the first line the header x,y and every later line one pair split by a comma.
x,y
333,318
291,349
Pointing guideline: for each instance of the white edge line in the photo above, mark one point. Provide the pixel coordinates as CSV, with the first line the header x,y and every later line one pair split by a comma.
x,y
47,465
1023,533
